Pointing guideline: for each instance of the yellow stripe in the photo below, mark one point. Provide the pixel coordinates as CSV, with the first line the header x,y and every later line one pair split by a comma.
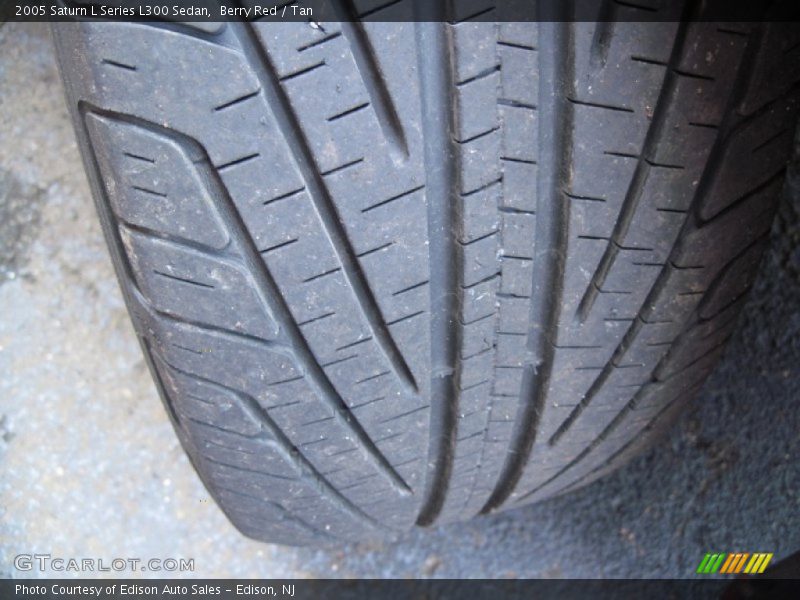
x,y
760,558
727,564
741,562
752,563
765,563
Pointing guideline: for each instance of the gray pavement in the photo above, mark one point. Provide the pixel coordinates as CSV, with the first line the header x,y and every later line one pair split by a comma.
x,y
90,467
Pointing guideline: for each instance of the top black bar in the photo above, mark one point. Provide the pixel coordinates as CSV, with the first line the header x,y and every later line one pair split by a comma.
x,y
318,12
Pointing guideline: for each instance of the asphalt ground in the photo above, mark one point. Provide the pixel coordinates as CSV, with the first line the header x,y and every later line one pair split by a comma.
x,y
89,466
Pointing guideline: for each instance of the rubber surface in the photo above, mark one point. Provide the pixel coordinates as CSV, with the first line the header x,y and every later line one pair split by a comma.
x,y
390,274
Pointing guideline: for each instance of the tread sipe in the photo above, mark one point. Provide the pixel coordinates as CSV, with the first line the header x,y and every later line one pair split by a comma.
x,y
390,274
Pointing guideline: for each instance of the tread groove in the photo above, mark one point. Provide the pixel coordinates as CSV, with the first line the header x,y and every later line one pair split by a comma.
x,y
458,264
270,297
368,66
119,65
434,57
603,34
183,280
393,198
238,100
692,222
630,203
293,133
256,413
556,74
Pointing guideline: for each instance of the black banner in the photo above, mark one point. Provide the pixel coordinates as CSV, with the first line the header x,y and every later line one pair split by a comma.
x,y
164,589
320,11
442,589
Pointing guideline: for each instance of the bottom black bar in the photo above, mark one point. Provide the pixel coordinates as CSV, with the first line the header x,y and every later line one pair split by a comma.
x,y
315,589
759,588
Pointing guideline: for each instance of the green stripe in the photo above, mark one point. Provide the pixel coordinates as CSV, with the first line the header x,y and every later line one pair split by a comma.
x,y
711,562
701,568
718,564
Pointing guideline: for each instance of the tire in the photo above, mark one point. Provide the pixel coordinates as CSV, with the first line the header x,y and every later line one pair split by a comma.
x,y
394,274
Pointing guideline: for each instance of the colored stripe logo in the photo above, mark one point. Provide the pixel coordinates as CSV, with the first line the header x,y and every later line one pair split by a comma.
x,y
734,563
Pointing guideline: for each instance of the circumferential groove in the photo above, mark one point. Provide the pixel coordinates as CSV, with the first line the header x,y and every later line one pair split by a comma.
x,y
556,68
434,51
